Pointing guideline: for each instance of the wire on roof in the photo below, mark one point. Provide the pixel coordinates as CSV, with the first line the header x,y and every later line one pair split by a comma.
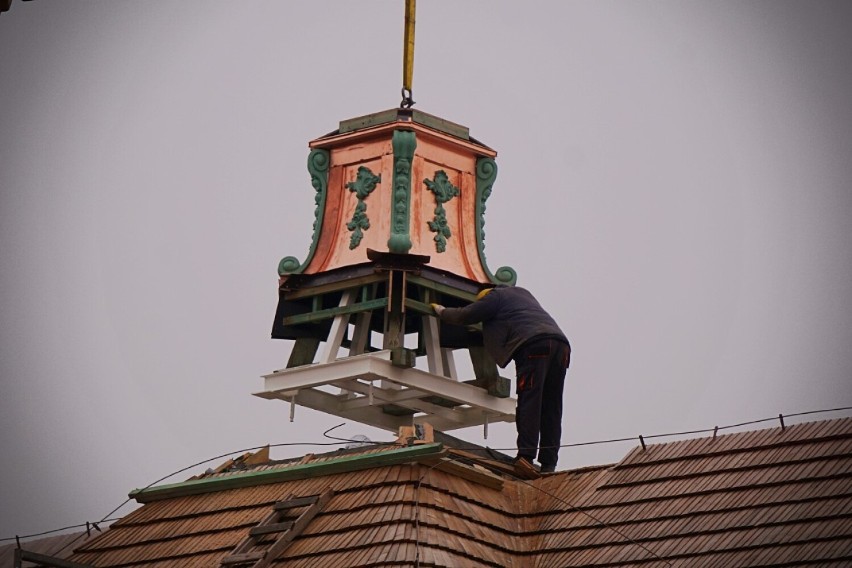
x,y
417,513
107,518
68,528
341,441
713,430
594,518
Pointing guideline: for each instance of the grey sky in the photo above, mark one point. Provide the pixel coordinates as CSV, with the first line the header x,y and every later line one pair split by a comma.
x,y
675,186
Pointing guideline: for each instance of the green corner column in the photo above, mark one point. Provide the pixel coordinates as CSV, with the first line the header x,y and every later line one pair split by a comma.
x,y
318,164
404,142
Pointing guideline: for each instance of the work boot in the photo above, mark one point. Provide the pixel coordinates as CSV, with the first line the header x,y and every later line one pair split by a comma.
x,y
548,468
525,469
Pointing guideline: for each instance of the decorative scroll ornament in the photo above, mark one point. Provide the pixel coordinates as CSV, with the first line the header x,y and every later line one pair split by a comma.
x,y
404,142
444,191
365,182
486,173
318,162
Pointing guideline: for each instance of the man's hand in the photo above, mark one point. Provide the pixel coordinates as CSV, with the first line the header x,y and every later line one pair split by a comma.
x,y
438,309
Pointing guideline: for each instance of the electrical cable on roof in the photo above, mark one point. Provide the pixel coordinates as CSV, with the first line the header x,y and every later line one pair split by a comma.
x,y
126,501
353,440
341,441
594,518
715,429
670,434
69,527
417,513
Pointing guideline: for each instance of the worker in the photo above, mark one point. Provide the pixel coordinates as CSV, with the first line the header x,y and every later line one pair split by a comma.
x,y
516,327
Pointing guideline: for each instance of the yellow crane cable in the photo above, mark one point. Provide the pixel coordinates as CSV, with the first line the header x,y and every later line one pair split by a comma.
x,y
408,52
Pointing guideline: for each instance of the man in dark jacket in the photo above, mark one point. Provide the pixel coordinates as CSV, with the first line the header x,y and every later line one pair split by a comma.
x,y
516,327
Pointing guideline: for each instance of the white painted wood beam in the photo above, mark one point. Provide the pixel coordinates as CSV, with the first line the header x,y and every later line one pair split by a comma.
x,y
338,329
410,385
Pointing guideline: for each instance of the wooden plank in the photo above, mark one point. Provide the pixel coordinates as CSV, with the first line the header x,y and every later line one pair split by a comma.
x,y
270,529
377,366
394,326
282,543
361,336
338,329
345,284
467,472
441,288
449,363
293,503
248,541
434,357
304,351
484,366
244,558
329,313
487,375
418,306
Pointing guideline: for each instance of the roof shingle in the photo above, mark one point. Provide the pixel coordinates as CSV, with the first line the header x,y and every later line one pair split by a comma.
x,y
774,497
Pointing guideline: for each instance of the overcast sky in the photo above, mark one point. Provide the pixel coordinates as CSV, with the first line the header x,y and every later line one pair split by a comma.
x,y
675,186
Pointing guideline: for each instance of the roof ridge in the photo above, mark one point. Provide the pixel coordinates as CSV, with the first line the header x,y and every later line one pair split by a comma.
x,y
248,478
668,449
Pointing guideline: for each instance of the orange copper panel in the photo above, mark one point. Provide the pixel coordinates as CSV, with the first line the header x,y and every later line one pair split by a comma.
x,y
347,246
372,148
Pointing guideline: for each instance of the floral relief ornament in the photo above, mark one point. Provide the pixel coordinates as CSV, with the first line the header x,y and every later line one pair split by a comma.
x,y
444,191
364,184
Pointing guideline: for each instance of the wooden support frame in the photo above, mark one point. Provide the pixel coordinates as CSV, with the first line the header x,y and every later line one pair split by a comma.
x,y
378,387
407,388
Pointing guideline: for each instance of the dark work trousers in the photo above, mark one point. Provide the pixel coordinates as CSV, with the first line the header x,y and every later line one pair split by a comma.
x,y
541,365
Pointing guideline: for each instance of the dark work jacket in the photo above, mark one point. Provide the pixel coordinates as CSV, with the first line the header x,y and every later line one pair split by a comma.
x,y
510,317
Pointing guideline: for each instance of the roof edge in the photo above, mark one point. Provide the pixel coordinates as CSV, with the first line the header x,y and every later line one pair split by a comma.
x,y
293,472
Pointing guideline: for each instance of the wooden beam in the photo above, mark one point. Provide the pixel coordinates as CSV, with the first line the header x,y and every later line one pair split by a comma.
x,y
487,375
271,529
373,366
329,313
304,351
471,473
345,284
244,558
294,503
338,329
442,288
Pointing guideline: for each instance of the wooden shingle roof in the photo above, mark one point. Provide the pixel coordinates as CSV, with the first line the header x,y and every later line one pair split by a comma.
x,y
774,497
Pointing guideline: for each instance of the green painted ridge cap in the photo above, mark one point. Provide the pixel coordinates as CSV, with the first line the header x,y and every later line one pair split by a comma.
x,y
412,115
290,473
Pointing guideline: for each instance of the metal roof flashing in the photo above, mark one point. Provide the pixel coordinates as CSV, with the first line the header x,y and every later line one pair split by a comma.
x,y
288,472
404,115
